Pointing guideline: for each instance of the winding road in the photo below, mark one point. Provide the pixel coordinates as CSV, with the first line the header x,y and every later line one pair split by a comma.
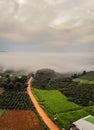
x,y
51,125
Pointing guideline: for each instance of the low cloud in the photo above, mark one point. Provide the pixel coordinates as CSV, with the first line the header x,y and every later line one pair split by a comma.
x,y
61,62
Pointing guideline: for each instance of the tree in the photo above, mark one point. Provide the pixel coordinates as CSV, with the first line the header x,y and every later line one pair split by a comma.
x,y
19,85
42,77
10,86
84,72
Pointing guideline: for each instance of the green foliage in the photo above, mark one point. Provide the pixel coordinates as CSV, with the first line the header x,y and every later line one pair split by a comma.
x,y
60,82
15,100
67,118
82,94
53,101
87,78
61,111
13,82
89,109
83,81
42,78
48,79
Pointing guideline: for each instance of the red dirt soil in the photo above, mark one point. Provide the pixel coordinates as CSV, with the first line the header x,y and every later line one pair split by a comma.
x,y
51,125
19,120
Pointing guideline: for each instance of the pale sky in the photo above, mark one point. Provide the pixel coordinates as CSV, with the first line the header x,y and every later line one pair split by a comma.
x,y
57,34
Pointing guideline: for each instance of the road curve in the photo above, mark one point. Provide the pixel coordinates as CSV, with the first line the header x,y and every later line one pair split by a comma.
x,y
51,125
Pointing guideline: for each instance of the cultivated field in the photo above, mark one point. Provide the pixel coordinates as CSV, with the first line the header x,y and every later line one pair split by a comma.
x,y
15,100
16,112
53,101
19,120
62,111
67,118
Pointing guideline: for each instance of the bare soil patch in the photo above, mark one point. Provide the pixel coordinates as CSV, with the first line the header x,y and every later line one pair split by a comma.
x,y
19,120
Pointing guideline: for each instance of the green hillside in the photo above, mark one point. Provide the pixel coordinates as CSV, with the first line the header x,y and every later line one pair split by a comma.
x,y
87,78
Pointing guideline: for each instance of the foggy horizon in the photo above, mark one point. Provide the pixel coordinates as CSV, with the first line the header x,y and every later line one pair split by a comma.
x,y
66,62
55,34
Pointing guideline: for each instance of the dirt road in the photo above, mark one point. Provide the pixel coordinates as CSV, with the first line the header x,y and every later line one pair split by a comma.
x,y
51,125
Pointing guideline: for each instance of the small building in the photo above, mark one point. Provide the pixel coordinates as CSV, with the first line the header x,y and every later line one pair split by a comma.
x,y
86,123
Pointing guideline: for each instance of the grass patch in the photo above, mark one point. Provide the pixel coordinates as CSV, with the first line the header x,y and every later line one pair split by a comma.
x,y
83,81
89,109
67,118
88,78
53,101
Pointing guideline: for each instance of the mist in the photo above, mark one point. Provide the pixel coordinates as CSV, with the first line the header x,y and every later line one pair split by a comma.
x,y
60,62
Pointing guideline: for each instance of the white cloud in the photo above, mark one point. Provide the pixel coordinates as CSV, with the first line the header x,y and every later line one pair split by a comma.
x,y
66,18
21,2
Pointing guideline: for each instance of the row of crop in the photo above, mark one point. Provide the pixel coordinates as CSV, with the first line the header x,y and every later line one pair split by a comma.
x,y
15,100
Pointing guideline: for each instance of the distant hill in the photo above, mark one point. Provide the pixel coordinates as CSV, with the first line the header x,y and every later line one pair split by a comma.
x,y
87,78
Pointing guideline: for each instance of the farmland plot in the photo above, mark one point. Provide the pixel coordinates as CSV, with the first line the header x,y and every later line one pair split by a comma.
x,y
15,101
53,101
19,120
16,112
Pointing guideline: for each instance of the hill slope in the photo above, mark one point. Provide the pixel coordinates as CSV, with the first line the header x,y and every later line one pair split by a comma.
x,y
87,78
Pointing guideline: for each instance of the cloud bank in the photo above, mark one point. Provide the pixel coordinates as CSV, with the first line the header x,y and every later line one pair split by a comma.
x,y
61,62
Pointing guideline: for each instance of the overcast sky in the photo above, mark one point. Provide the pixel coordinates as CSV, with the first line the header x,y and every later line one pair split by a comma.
x,y
57,34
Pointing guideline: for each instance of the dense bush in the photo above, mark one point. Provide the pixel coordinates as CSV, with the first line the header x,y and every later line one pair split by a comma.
x,y
14,82
42,78
49,79
82,94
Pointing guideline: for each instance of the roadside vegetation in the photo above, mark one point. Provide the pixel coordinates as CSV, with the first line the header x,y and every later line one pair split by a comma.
x,y
64,99
53,101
